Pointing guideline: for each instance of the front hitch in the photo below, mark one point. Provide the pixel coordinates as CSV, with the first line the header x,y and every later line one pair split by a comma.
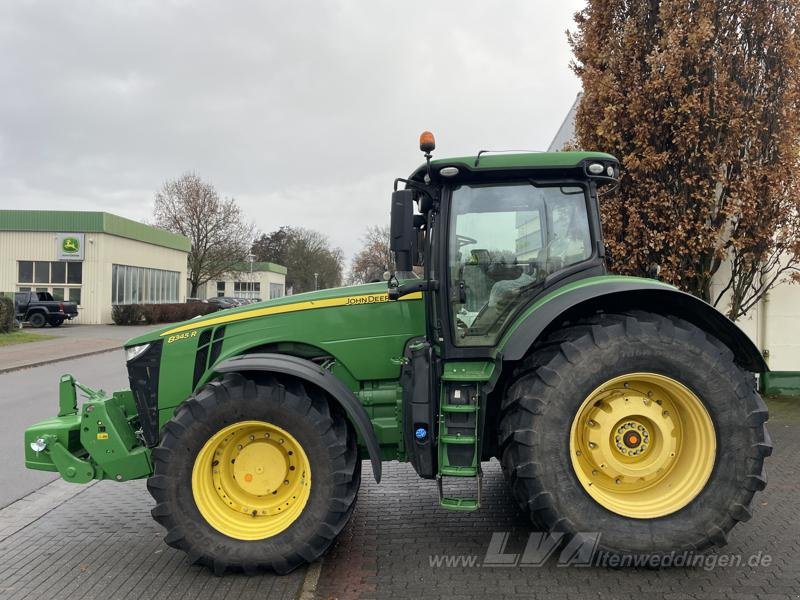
x,y
99,441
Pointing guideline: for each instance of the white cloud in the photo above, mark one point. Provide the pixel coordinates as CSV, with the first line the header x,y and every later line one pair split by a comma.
x,y
304,111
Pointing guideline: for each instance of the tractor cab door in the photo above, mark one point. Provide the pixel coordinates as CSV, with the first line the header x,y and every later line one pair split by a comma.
x,y
506,243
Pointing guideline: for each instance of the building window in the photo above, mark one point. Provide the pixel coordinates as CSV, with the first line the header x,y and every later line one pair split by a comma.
x,y
58,272
139,285
74,272
25,271
220,289
41,271
67,278
276,290
246,286
247,289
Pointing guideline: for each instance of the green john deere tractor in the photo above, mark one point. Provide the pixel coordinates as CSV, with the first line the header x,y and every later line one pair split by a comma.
x,y
615,405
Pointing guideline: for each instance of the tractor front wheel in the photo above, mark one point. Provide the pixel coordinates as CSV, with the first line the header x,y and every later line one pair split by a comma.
x,y
253,475
636,427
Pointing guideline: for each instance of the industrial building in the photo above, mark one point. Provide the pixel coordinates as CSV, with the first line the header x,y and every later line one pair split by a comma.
x,y
94,259
251,280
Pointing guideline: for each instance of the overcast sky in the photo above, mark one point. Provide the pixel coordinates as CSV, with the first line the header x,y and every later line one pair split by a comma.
x,y
303,111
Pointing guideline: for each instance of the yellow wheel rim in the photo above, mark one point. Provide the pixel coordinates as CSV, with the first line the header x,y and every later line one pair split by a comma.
x,y
251,480
643,445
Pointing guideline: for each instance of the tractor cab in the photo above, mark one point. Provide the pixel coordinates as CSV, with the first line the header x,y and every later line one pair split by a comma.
x,y
493,232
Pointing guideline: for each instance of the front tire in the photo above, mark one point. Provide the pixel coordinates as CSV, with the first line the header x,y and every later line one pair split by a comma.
x,y
686,476
255,475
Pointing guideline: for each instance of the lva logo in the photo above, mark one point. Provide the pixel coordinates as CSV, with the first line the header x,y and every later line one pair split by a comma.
x,y
578,552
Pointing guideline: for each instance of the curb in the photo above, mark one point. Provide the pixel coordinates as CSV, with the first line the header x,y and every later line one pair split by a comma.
x,y
59,359
308,590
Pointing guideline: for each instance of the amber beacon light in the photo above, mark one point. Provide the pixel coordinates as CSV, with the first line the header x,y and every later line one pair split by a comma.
x,y
427,143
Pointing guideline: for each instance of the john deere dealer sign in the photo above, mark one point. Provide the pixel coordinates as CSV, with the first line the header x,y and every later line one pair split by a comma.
x,y
69,246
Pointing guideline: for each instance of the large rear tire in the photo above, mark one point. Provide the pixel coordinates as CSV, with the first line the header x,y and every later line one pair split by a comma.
x,y
255,475
638,427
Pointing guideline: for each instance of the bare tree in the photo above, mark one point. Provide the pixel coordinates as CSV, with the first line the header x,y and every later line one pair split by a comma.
x,y
374,258
220,235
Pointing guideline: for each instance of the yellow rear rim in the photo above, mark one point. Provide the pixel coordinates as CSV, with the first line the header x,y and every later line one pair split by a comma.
x,y
643,445
251,480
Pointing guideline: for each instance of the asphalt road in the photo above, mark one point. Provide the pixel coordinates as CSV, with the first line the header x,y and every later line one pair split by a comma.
x,y
31,395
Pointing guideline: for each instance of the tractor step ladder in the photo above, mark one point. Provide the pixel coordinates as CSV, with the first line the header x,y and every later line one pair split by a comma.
x,y
458,445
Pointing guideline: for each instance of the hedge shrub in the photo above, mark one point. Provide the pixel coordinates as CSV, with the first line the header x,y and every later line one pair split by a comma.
x,y
151,314
6,314
126,314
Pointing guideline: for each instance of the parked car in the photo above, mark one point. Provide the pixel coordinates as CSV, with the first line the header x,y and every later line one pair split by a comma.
x,y
222,303
39,308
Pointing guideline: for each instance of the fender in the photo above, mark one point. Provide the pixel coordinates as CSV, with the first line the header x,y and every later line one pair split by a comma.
x,y
626,293
314,374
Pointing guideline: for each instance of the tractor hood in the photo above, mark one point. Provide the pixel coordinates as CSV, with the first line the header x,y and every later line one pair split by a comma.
x,y
342,296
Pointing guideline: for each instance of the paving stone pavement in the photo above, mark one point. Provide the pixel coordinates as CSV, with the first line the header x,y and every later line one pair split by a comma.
x,y
102,543
99,541
397,526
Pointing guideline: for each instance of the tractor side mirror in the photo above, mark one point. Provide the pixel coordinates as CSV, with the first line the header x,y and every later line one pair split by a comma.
x,y
403,236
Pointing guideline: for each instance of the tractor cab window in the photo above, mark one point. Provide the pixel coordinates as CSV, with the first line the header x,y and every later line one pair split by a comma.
x,y
504,241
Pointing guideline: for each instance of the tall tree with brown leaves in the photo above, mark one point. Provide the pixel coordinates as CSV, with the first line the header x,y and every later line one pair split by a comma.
x,y
701,102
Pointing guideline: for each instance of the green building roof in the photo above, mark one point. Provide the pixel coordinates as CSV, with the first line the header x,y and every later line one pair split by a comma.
x,y
90,222
262,266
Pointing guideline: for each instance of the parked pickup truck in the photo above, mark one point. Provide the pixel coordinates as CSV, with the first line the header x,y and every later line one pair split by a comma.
x,y
38,308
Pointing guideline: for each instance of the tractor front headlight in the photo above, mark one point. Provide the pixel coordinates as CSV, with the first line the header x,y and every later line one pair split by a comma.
x,y
133,352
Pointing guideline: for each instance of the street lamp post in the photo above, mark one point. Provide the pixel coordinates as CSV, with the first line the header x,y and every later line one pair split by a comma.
x,y
251,257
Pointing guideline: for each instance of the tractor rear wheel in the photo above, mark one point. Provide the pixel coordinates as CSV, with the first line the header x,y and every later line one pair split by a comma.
x,y
638,427
254,475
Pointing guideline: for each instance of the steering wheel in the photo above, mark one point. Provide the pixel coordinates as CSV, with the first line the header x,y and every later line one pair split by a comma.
x,y
464,240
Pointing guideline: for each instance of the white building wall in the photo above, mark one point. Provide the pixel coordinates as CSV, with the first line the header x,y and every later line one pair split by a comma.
x,y
41,246
100,252
773,324
124,251
209,290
